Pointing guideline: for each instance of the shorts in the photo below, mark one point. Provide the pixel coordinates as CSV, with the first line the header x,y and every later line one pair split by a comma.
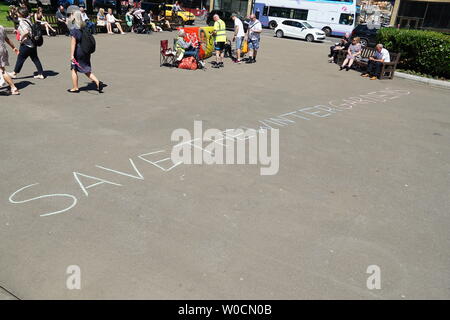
x,y
218,46
253,44
239,42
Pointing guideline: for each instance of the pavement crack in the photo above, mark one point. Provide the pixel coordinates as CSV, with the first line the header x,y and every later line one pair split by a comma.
x,y
7,292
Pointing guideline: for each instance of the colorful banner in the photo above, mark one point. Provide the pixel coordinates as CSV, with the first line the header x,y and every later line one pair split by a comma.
x,y
202,36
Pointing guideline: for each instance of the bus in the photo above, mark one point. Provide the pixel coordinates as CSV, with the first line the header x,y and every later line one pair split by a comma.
x,y
334,17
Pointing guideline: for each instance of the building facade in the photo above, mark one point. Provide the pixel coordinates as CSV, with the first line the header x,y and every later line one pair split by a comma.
x,y
422,14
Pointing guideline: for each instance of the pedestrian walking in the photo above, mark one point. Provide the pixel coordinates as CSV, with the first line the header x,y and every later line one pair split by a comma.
x,y
4,59
80,59
28,49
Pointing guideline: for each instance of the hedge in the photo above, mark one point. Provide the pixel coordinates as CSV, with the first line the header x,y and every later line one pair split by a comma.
x,y
421,51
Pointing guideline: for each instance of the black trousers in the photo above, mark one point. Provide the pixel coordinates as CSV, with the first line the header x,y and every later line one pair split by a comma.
x,y
24,53
374,68
63,27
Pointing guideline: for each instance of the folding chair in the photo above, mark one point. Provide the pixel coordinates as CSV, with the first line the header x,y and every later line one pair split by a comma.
x,y
167,56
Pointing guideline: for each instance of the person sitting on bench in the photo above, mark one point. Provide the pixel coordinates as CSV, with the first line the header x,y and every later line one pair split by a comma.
x,y
376,62
343,44
61,18
89,24
39,18
163,21
112,22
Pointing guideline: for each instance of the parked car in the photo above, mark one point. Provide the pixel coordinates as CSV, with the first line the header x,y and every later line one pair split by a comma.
x,y
367,34
226,17
188,17
299,29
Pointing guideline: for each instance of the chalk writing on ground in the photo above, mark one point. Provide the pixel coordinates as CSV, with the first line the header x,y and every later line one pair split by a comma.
x,y
160,158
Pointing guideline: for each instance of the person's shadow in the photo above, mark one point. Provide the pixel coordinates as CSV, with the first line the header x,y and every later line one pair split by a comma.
x,y
19,85
91,86
47,73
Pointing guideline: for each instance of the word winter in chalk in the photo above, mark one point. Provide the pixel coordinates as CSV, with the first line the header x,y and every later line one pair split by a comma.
x,y
227,147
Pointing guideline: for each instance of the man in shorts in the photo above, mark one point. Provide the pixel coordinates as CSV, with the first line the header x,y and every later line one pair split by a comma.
x,y
238,37
220,37
254,36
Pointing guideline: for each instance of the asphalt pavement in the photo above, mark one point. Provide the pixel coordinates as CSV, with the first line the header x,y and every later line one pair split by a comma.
x,y
363,180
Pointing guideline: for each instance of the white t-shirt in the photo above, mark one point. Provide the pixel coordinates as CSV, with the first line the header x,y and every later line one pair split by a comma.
x,y
110,18
238,23
84,16
384,55
24,27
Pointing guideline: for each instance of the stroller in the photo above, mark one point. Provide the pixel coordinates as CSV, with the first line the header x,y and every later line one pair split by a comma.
x,y
140,26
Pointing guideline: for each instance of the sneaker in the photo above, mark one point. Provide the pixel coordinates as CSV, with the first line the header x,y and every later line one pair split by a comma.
x,y
39,76
365,75
221,65
373,78
12,75
249,61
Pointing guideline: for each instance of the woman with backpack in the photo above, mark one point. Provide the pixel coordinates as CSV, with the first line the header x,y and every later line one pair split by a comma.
x,y
28,48
79,58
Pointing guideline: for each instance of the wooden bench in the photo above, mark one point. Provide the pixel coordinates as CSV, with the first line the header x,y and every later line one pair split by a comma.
x,y
51,19
387,70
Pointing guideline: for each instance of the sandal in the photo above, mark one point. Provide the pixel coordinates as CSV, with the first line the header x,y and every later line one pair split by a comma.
x,y
100,87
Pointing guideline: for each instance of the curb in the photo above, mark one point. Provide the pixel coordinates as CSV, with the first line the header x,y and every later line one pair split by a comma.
x,y
431,82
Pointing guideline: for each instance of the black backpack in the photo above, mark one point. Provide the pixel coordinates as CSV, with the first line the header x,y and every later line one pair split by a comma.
x,y
87,41
36,34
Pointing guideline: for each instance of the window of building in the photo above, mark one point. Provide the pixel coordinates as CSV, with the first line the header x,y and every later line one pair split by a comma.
x,y
412,9
437,16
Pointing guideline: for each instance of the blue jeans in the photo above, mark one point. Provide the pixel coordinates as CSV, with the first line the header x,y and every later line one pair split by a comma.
x,y
91,26
192,52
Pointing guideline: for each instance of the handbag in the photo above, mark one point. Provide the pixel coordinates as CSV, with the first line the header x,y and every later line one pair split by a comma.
x,y
188,63
244,47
